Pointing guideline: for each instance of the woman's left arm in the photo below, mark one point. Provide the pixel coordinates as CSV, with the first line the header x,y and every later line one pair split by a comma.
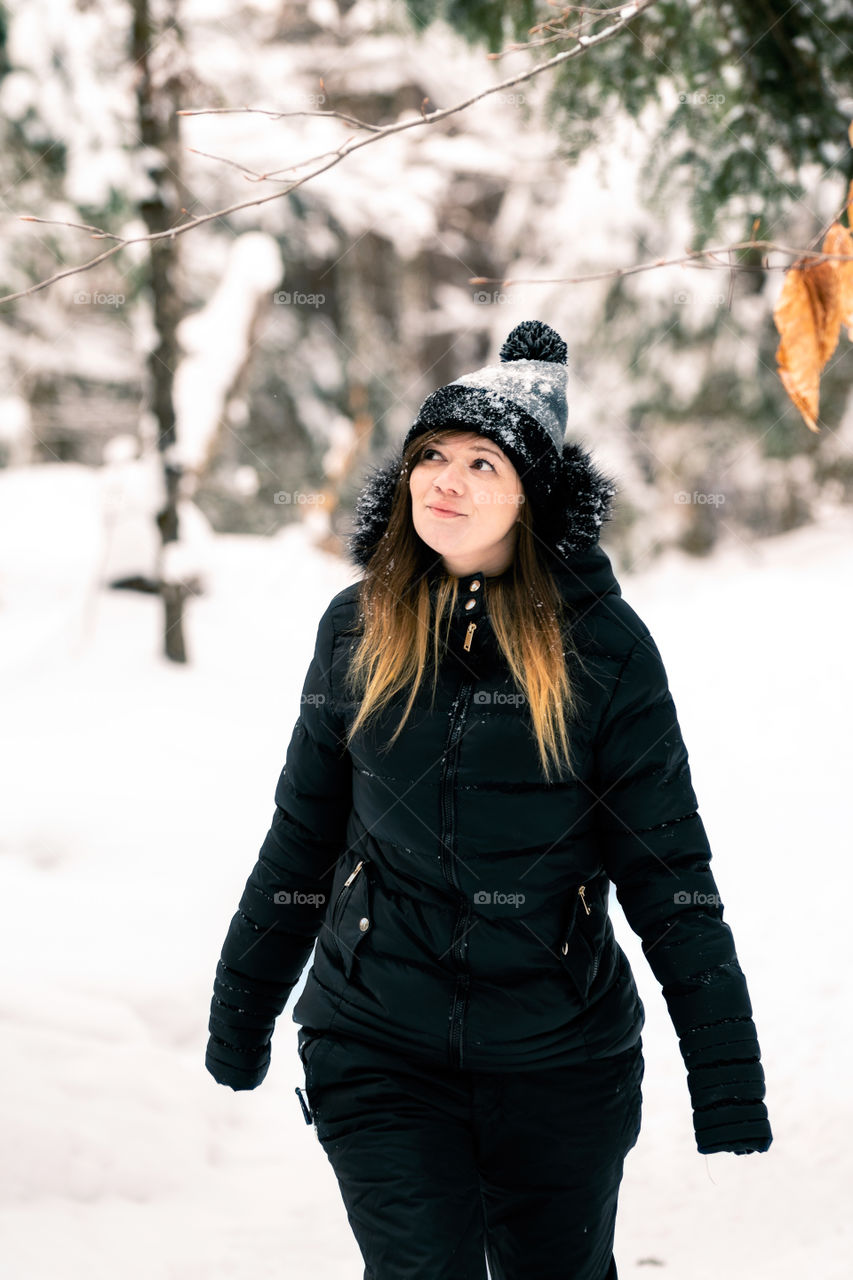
x,y
656,852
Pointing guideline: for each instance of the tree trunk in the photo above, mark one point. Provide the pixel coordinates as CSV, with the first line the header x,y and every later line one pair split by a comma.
x,y
158,99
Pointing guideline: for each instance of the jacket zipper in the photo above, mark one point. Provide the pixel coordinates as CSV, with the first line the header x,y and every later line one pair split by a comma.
x,y
469,636
458,944
352,875
346,884
586,907
460,710
598,952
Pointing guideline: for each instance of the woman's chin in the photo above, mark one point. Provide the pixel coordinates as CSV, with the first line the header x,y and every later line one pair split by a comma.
x,y
443,539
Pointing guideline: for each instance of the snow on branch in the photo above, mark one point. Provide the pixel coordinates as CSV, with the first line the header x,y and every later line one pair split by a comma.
x,y
327,160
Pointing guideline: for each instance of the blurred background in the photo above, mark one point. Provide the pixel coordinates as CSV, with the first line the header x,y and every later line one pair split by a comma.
x,y
184,429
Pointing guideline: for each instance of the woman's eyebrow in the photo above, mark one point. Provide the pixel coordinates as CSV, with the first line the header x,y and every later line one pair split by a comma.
x,y
479,448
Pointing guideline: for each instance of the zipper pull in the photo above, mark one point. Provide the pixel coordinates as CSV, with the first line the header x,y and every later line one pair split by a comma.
x,y
469,635
353,875
583,900
306,1110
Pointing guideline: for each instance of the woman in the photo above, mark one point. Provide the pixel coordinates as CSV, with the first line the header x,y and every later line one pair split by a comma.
x,y
487,741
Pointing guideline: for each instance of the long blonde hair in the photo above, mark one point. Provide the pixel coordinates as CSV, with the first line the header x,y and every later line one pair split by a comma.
x,y
527,612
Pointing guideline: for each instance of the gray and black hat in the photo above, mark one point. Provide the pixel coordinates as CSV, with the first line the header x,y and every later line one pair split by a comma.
x,y
521,405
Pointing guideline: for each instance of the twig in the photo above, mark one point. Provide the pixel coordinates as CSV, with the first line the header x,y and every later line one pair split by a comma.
x,y
559,33
97,233
584,44
672,262
280,115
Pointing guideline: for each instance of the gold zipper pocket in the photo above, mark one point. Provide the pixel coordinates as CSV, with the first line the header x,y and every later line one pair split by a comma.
x,y
469,636
583,899
352,875
342,893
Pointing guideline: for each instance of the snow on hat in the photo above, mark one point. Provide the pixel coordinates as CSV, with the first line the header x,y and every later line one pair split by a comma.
x,y
519,403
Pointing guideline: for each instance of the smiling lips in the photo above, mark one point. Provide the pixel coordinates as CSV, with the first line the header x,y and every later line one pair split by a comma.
x,y
444,512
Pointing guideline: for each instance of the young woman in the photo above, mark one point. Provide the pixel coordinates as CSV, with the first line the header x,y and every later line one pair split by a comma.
x,y
487,740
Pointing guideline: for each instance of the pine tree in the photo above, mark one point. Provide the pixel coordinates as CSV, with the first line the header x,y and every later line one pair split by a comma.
x,y
760,88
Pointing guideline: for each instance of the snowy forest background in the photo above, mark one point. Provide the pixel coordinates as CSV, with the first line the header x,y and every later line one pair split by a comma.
x,y
160,588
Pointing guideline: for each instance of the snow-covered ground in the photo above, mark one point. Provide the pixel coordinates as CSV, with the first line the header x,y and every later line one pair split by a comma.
x,y
136,795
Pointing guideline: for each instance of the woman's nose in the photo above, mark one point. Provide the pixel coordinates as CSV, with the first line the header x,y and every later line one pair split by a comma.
x,y
450,476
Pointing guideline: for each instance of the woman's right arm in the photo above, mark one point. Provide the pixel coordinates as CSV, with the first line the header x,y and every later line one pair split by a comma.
x,y
280,913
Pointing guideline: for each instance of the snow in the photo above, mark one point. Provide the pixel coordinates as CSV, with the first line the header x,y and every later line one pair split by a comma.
x,y
58,43
15,426
138,794
217,341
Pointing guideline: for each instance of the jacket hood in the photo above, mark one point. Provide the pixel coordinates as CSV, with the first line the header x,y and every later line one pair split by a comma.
x,y
569,530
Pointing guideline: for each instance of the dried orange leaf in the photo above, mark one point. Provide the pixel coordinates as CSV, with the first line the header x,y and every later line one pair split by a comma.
x,y
825,294
839,240
798,353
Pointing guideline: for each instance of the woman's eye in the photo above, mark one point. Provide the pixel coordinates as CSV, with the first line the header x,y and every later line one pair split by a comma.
x,y
425,458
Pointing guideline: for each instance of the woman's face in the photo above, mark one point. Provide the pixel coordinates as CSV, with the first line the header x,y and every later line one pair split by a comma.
x,y
471,477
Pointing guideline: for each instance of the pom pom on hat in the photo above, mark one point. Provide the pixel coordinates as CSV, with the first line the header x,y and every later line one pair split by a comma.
x,y
533,340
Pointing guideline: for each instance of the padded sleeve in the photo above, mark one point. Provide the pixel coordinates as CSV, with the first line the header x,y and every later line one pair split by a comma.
x,y
272,934
656,852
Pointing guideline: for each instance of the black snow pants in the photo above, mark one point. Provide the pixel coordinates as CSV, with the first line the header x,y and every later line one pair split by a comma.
x,y
442,1171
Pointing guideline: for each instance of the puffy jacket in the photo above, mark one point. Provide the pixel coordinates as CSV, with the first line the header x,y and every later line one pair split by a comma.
x,y
459,903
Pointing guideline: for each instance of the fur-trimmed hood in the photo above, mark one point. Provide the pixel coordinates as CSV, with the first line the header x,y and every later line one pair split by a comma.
x,y
569,528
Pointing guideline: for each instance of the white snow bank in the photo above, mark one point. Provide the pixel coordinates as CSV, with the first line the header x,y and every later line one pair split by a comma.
x,y
137,797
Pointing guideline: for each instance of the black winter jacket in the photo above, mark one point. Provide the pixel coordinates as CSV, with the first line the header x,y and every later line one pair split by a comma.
x,y
459,903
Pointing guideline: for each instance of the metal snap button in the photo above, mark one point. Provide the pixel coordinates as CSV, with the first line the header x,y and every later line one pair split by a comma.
x,y
475,585
565,948
364,924
470,604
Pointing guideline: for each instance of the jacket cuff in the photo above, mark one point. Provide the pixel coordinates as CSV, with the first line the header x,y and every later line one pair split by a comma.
x,y
742,1128
238,1068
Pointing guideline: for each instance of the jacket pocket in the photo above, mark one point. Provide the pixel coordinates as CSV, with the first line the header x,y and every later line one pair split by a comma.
x,y
311,1052
351,919
577,950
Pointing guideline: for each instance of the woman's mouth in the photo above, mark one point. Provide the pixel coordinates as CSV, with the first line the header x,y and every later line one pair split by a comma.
x,y
444,513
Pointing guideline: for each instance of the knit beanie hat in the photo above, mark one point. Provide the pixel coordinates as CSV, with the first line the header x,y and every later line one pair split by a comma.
x,y
520,404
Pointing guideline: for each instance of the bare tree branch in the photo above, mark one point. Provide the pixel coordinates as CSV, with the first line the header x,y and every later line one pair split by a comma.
x,y
695,254
558,29
280,115
582,46
97,233
252,175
